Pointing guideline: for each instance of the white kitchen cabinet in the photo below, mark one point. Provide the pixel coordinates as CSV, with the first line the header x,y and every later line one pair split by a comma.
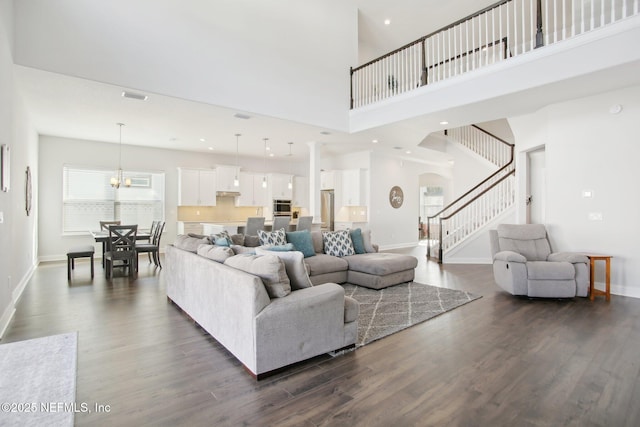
x,y
328,180
225,177
300,192
189,227
353,187
350,225
251,191
197,187
278,186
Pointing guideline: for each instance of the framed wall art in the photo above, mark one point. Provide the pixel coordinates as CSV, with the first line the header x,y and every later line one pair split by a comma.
x,y
27,190
5,163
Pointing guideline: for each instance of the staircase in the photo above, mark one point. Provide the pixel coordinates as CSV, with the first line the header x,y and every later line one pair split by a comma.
x,y
473,210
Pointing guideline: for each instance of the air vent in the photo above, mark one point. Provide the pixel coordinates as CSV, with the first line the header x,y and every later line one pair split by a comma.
x,y
132,95
241,116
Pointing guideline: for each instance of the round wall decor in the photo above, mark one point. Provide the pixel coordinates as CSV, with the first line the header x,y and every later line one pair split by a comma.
x,y
396,197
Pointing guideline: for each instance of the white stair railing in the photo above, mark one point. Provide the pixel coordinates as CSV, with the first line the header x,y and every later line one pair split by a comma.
x,y
481,204
506,29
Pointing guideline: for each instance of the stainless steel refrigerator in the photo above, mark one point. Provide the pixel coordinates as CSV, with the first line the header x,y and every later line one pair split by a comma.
x,y
326,209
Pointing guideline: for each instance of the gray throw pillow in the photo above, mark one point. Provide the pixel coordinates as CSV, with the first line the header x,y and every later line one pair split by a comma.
x,y
269,268
216,253
366,240
188,243
294,265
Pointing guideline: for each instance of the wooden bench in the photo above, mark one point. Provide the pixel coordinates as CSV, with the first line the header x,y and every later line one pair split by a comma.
x,y
79,252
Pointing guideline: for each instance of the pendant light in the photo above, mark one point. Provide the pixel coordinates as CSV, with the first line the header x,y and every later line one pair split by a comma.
x,y
117,180
290,185
264,163
236,181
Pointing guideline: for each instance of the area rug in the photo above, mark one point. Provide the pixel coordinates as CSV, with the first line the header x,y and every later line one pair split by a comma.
x,y
386,311
38,381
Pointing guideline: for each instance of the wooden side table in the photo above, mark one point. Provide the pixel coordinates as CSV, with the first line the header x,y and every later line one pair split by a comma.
x,y
592,273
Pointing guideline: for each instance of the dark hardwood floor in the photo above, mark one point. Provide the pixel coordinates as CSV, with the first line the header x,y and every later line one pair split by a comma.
x,y
498,361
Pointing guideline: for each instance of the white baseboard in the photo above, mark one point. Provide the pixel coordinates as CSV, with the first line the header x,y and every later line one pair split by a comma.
x,y
398,246
6,318
468,261
624,291
10,311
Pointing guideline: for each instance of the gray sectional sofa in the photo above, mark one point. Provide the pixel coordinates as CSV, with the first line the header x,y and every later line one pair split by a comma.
x,y
371,269
271,314
263,333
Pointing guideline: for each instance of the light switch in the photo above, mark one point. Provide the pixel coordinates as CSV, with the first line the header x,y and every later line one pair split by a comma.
x,y
595,216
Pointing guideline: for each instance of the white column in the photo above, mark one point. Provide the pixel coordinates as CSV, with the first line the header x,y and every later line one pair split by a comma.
x,y
314,180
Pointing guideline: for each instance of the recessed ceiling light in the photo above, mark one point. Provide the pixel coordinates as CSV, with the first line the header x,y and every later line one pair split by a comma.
x,y
374,141
133,95
444,122
210,148
271,154
202,140
387,21
241,116
408,152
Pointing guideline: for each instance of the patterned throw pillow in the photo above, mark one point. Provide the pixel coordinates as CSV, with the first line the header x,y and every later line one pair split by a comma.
x,y
278,237
337,243
221,239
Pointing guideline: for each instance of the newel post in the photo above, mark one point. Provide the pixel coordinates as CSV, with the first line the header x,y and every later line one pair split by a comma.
x,y
539,34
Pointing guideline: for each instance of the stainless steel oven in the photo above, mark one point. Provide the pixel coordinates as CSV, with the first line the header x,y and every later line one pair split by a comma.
x,y
282,207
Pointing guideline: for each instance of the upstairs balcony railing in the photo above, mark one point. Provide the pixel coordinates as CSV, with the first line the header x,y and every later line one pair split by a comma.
x,y
496,33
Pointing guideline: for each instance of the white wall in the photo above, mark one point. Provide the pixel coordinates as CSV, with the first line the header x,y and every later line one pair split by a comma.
x,y
588,148
390,227
55,152
18,231
286,58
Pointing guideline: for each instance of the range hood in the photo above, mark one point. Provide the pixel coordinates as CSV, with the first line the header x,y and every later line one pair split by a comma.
x,y
227,193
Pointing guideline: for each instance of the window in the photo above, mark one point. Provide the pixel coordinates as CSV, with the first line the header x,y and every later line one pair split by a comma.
x,y
88,198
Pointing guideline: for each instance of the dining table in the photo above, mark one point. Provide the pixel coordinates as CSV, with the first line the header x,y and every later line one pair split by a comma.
x,y
102,236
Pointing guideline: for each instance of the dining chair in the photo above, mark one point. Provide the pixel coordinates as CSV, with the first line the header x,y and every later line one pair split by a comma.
x,y
304,223
281,222
153,247
104,225
121,249
152,230
254,223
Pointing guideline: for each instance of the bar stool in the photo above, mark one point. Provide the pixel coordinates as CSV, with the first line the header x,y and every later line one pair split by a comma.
x,y
79,252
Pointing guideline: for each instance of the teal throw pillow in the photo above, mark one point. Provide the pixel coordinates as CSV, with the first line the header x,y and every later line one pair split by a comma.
x,y
358,241
302,242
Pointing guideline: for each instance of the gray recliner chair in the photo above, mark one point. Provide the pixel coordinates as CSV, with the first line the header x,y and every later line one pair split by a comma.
x,y
523,264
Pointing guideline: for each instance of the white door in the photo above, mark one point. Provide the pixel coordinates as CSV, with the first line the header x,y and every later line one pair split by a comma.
x,y
536,186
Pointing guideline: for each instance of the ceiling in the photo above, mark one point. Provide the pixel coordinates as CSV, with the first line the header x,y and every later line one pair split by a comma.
x,y
67,106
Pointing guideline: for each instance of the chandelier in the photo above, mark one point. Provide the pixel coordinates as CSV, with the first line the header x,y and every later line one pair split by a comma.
x,y
117,180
